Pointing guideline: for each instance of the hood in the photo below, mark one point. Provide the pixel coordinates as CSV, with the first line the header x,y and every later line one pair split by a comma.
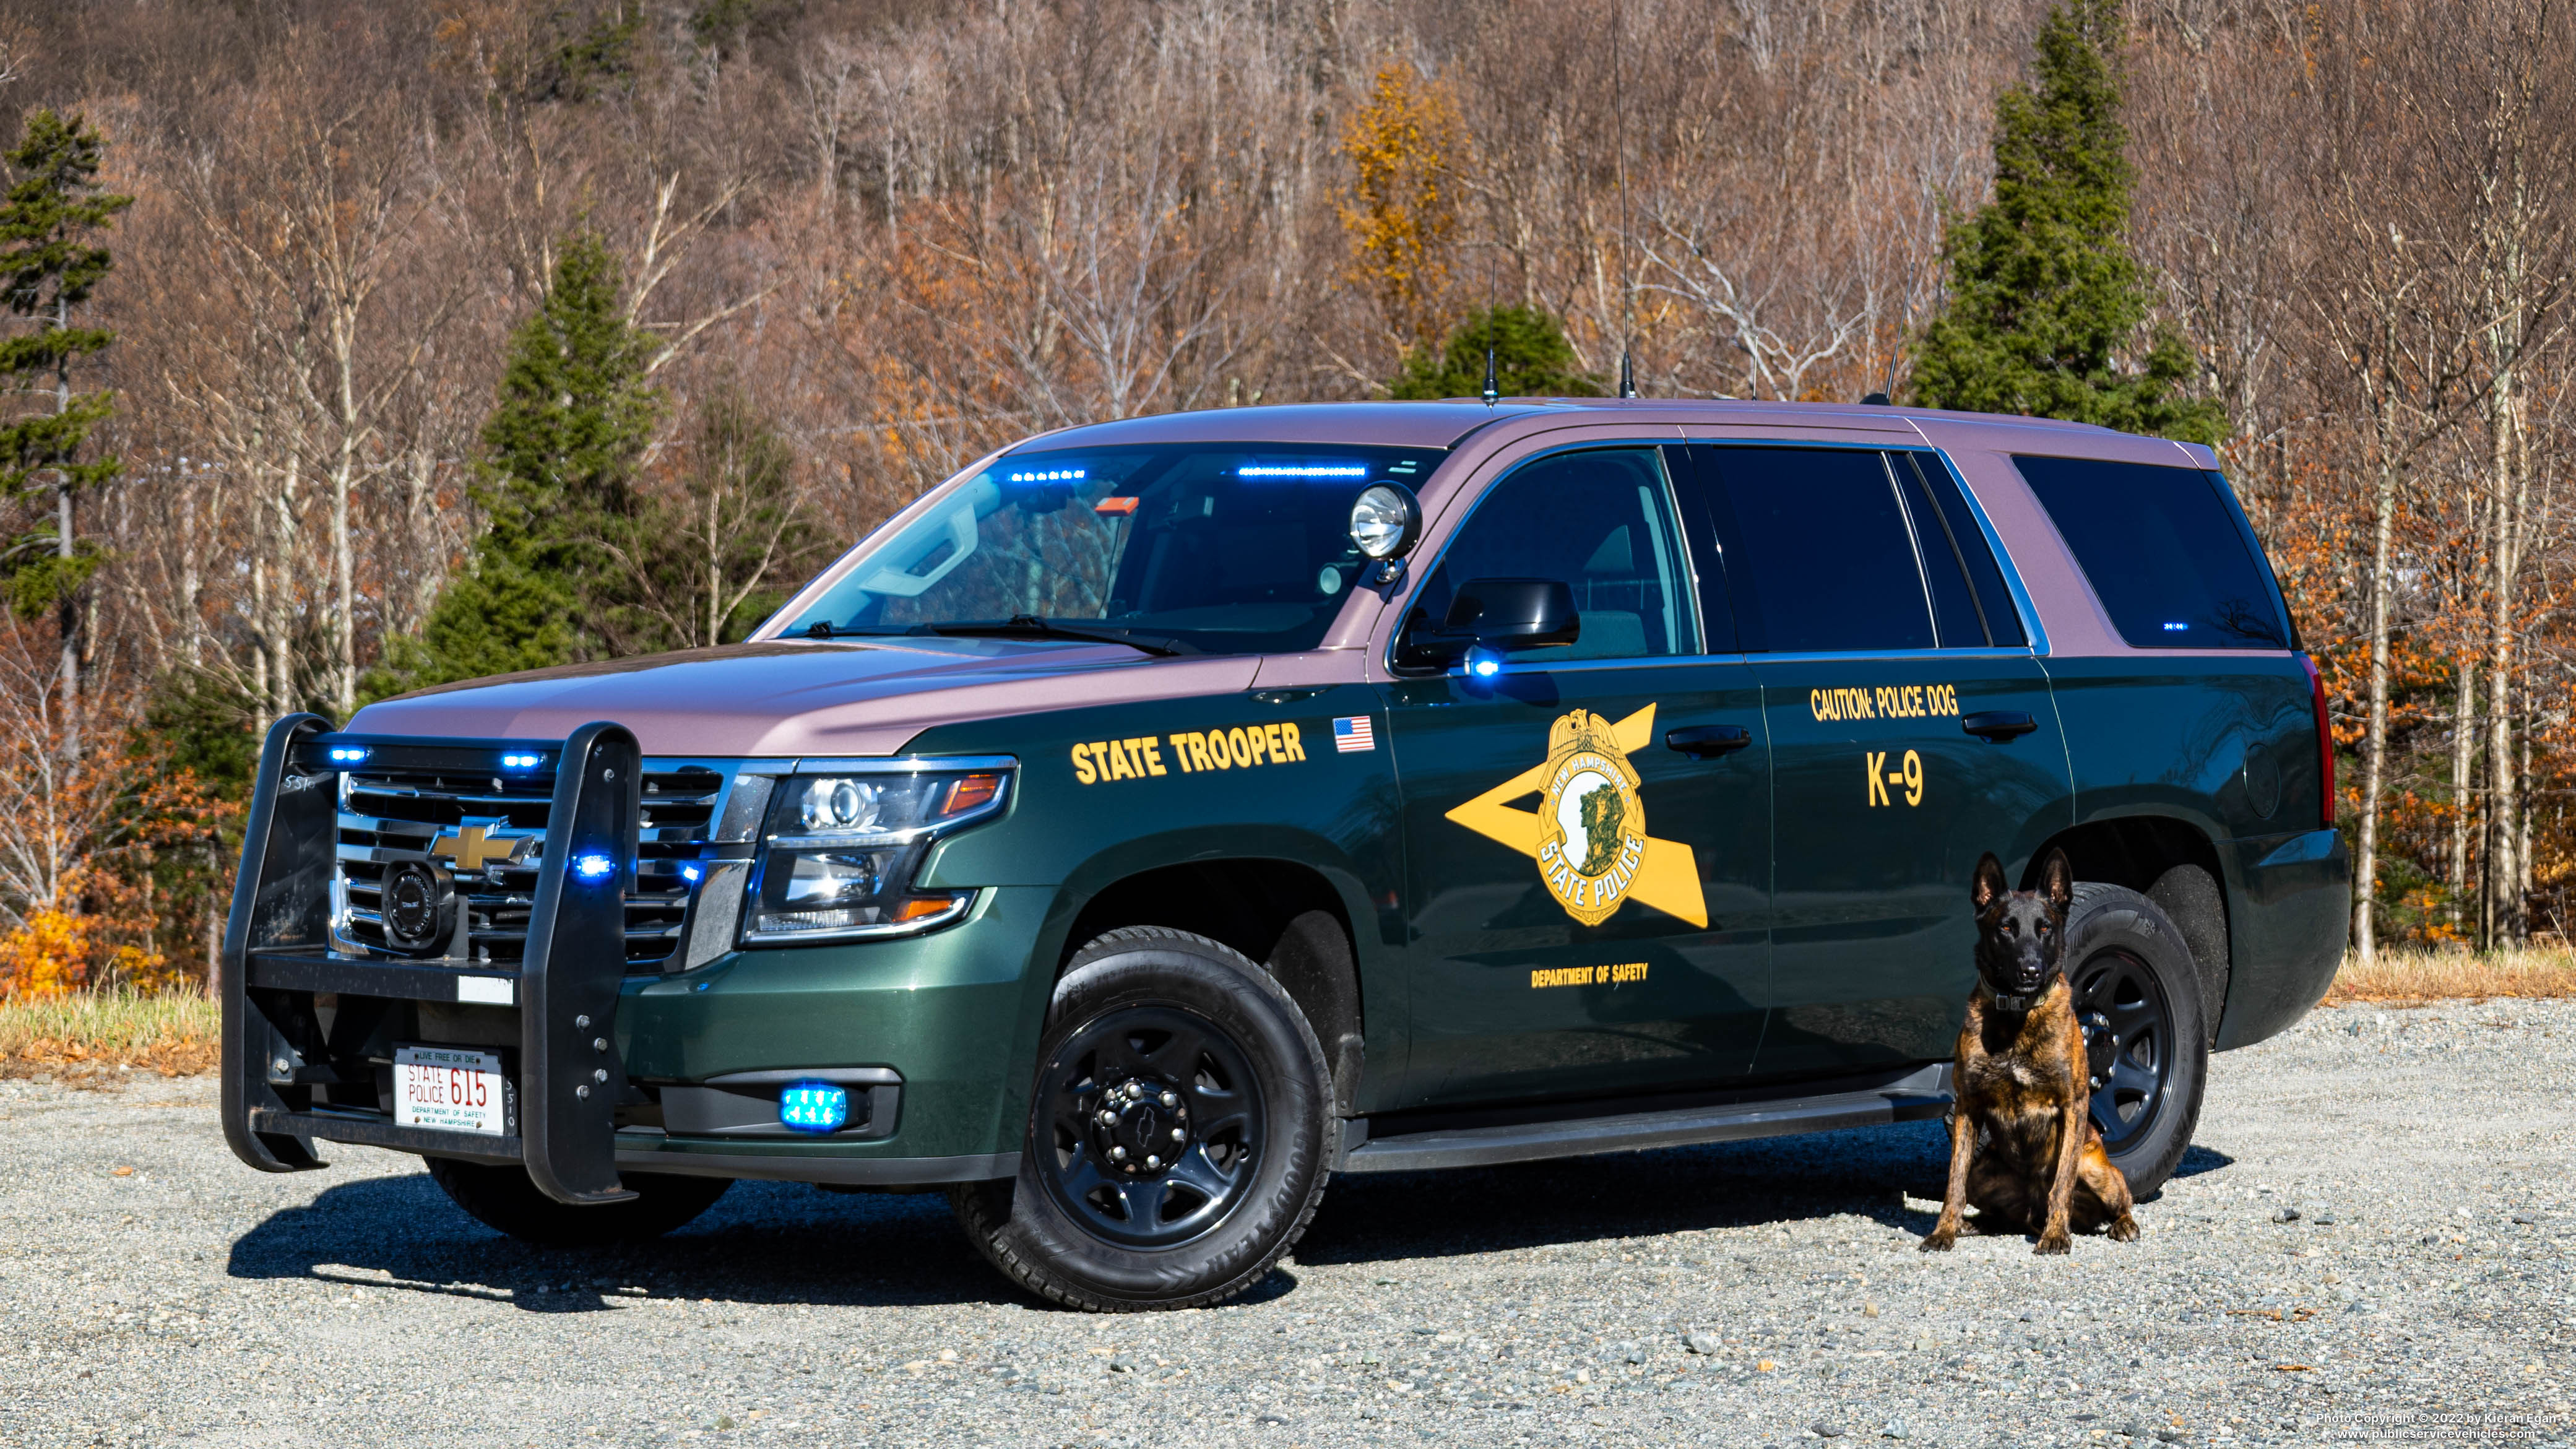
x,y
787,698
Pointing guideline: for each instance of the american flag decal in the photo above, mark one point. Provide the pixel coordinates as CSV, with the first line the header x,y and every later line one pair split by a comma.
x,y
1353,733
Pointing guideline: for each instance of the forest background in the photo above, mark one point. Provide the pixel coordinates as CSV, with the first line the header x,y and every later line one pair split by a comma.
x,y
816,254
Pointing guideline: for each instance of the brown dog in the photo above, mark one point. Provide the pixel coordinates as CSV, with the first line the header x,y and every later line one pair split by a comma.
x,y
2023,1148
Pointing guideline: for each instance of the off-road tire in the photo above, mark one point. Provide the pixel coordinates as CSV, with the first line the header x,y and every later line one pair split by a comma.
x,y
502,1197
2112,927
1021,1226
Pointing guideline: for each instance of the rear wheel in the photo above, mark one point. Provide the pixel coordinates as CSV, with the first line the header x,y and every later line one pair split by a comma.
x,y
503,1197
1178,1130
2138,997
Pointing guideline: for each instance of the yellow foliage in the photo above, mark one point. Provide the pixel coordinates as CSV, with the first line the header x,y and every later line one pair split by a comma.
x,y
47,956
56,952
1405,146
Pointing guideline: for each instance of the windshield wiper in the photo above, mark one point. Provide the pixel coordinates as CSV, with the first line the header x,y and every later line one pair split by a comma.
x,y
1030,626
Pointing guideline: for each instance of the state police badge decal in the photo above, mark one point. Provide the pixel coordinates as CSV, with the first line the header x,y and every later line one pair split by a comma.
x,y
1588,836
1592,835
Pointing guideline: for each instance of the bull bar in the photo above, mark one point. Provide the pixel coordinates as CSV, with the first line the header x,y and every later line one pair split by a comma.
x,y
278,956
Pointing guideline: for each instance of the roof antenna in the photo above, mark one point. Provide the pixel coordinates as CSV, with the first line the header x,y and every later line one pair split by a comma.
x,y
1627,278
1493,387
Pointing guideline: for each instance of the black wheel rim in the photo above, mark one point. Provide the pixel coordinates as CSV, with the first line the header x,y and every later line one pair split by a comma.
x,y
1149,1126
2129,1040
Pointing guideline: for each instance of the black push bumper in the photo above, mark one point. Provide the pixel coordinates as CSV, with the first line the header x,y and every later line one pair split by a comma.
x,y
286,1071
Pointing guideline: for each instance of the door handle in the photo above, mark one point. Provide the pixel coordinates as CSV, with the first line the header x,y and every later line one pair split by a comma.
x,y
1998,724
1706,742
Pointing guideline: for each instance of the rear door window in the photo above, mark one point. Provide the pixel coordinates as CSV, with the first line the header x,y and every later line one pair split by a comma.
x,y
1820,553
2166,552
1948,525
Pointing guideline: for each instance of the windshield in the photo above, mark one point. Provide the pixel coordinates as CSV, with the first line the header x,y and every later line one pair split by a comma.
x,y
1215,548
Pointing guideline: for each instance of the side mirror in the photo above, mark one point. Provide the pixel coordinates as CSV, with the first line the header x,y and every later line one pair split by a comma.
x,y
1490,616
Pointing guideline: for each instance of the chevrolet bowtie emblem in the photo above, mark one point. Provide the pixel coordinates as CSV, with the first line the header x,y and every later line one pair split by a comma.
x,y
472,849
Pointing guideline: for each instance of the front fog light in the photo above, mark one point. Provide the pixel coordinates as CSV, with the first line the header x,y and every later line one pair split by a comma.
x,y
814,1107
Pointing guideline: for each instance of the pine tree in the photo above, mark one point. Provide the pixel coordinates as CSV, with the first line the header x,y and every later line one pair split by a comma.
x,y
50,262
1531,359
576,411
2049,308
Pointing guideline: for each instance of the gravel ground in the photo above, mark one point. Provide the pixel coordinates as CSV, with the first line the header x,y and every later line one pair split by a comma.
x,y
2369,1245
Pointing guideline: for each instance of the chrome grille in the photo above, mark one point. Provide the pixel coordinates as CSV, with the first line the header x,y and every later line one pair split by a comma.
x,y
388,816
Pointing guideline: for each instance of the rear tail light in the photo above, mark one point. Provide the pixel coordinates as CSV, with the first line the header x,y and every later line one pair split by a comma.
x,y
2325,744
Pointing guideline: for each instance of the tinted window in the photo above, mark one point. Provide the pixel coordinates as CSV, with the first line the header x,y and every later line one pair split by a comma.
x,y
1223,548
2166,552
1601,522
1994,601
1819,556
1955,616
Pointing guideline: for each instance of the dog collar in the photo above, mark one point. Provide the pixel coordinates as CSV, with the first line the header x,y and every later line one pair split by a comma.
x,y
2016,1003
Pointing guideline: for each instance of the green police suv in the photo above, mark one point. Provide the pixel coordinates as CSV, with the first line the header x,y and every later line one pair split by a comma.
x,y
1162,816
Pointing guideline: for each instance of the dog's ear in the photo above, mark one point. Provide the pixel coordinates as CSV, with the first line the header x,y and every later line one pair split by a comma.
x,y
1987,886
2057,878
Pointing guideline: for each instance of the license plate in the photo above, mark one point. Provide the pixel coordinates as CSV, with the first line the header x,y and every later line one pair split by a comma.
x,y
450,1088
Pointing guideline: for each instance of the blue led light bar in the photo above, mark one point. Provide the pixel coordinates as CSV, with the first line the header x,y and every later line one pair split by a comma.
x,y
1319,470
593,867
348,754
1050,475
2175,628
814,1107
520,762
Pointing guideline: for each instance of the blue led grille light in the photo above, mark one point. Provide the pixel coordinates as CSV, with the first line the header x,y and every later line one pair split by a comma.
x,y
519,762
813,1107
1319,470
690,873
593,866
348,755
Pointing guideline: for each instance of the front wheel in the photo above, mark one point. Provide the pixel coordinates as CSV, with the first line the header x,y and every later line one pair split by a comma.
x,y
1178,1130
2138,997
504,1197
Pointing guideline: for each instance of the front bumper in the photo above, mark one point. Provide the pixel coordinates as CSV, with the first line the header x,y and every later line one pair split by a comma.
x,y
923,1028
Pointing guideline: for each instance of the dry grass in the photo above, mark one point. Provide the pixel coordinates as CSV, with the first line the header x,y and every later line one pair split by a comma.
x,y
88,1037
2451,975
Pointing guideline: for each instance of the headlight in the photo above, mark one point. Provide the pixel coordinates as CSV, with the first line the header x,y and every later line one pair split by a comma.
x,y
840,851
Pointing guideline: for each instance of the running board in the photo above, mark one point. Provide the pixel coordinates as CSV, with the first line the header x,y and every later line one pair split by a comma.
x,y
1918,1095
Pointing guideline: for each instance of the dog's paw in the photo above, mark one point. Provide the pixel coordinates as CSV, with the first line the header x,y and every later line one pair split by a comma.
x,y
2124,1229
2053,1242
1939,1241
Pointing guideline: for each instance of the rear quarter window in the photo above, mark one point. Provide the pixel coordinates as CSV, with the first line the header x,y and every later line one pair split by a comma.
x,y
2166,552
